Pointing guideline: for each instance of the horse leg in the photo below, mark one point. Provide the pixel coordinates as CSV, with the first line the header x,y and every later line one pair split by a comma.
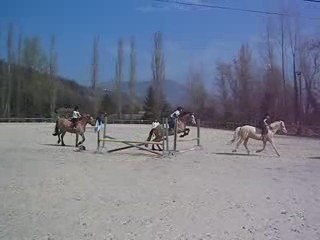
x,y
185,132
77,137
159,148
62,136
149,137
271,141
59,140
245,145
238,144
83,138
264,146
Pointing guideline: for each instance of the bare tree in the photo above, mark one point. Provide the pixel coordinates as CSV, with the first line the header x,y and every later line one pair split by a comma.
x,y
3,84
273,85
158,74
19,76
294,38
197,94
309,59
95,63
243,76
119,77
284,87
33,56
10,57
223,77
95,72
53,74
133,76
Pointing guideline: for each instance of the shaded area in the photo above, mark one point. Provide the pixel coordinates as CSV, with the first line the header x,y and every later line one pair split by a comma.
x,y
238,154
56,145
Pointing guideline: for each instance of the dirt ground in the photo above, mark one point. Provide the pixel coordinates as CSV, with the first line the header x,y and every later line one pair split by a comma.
x,y
53,192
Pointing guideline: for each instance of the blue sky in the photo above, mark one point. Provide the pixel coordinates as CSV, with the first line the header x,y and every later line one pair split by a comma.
x,y
197,37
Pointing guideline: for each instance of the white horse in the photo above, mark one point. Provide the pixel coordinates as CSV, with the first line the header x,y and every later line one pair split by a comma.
x,y
242,134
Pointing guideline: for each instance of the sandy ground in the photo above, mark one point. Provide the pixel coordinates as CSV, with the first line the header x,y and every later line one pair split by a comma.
x,y
52,192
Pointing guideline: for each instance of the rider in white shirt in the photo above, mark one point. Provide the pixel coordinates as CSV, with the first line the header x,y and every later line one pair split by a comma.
x,y
75,116
174,116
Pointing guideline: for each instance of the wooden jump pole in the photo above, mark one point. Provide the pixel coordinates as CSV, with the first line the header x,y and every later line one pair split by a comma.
x,y
131,144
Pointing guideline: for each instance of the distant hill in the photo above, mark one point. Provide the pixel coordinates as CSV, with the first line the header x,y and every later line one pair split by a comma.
x,y
175,92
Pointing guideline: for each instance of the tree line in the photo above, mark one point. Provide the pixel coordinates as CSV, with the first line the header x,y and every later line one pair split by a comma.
x,y
283,80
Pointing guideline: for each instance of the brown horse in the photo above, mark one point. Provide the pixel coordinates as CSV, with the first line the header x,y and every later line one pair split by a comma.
x,y
65,125
182,122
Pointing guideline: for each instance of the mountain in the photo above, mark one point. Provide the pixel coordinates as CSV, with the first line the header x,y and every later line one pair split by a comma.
x,y
176,93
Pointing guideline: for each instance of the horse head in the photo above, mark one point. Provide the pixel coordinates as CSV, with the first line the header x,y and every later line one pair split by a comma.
x,y
283,127
279,125
185,116
88,119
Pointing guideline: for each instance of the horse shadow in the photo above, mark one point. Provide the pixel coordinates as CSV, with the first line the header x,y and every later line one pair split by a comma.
x,y
56,145
237,154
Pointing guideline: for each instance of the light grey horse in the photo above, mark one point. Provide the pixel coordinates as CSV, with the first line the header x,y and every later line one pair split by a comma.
x,y
242,135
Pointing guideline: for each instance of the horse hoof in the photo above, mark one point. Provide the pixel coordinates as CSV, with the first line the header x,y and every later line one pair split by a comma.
x,y
234,151
62,144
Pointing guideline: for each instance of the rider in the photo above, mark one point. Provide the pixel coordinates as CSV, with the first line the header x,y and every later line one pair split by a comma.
x,y
75,116
174,116
264,125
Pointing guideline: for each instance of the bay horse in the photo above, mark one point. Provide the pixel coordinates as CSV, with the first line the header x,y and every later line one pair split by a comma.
x,y
243,133
65,125
159,132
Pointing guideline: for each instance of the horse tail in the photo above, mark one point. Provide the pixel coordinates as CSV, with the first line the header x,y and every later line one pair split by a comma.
x,y
235,135
149,137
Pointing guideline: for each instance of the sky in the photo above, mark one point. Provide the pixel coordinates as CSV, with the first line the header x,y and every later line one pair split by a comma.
x,y
197,37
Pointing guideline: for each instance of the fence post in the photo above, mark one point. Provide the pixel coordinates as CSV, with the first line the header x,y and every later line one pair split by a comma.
x,y
104,129
163,139
167,135
175,135
198,132
98,141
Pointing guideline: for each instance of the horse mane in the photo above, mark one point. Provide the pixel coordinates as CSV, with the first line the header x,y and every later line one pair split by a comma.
x,y
183,114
